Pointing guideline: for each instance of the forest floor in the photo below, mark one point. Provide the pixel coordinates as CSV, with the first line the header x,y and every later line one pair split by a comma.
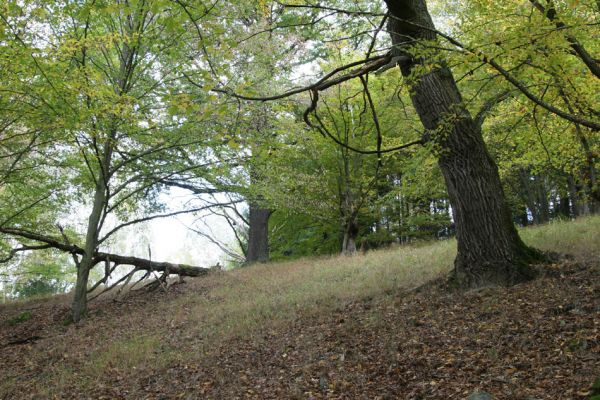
x,y
362,327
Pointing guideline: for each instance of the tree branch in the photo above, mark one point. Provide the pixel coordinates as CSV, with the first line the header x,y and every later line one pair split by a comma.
x,y
151,217
580,51
489,105
370,64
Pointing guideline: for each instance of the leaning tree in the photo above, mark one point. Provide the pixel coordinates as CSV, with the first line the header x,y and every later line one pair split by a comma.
x,y
490,250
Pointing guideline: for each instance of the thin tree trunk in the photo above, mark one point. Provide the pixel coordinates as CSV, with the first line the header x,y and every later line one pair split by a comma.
x,y
589,173
258,235
580,206
490,251
350,236
79,305
522,217
127,64
564,208
542,199
527,191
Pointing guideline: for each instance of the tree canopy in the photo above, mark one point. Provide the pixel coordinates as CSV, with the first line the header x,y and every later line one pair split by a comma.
x,y
308,127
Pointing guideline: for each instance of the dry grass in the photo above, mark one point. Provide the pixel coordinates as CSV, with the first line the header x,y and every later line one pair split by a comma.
x,y
238,302
127,355
580,238
132,353
34,300
251,300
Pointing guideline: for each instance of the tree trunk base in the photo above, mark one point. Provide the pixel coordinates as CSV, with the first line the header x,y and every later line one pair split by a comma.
x,y
469,274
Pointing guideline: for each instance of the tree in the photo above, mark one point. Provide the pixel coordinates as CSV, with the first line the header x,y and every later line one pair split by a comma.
x,y
127,98
38,273
258,234
321,177
116,74
490,250
249,129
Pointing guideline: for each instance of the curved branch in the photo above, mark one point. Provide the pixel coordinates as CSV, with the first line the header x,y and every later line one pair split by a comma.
x,y
482,56
14,252
370,65
579,50
151,217
510,78
487,107
325,132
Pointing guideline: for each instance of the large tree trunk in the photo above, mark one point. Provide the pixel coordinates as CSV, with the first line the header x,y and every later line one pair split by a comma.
x,y
258,235
490,251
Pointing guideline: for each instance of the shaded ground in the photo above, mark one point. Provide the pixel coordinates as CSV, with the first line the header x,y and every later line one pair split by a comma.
x,y
337,328
539,340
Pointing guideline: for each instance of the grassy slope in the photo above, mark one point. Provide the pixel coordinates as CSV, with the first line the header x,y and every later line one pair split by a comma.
x,y
274,292
127,338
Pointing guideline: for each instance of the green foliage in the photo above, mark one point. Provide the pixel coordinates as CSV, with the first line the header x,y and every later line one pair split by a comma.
x,y
22,317
520,134
125,91
596,390
38,287
294,235
38,274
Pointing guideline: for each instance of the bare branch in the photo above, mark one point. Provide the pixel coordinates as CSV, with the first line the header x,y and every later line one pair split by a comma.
x,y
325,132
152,217
369,65
14,252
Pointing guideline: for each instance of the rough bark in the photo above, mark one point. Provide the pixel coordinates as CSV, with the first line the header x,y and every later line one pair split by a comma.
x,y
144,264
490,251
258,235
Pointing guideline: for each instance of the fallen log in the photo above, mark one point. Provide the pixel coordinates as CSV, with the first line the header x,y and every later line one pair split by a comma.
x,y
141,264
149,265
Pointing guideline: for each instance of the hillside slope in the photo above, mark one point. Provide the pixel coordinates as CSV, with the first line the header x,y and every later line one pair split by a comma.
x,y
334,327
